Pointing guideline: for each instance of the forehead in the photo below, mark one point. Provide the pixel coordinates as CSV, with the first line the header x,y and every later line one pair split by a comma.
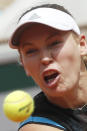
x,y
36,30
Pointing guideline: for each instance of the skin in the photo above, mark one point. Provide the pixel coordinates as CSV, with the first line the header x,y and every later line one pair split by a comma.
x,y
37,127
53,50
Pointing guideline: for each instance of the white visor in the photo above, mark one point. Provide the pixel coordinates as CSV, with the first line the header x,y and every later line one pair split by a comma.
x,y
48,16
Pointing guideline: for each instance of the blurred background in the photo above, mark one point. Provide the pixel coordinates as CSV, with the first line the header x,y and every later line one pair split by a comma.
x,y
12,75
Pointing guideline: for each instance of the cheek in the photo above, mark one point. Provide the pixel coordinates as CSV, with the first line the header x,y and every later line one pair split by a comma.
x,y
69,62
68,57
30,66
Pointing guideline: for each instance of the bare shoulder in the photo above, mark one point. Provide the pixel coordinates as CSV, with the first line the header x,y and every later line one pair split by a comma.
x,y
38,127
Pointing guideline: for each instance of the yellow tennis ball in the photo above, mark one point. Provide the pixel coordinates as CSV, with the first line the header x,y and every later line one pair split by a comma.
x,y
18,105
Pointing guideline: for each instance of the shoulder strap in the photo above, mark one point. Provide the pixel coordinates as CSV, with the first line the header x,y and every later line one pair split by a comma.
x,y
41,120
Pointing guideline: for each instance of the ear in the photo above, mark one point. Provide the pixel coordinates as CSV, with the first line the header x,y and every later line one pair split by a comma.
x,y
83,45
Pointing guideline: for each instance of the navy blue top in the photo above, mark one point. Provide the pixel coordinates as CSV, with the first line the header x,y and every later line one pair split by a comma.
x,y
48,114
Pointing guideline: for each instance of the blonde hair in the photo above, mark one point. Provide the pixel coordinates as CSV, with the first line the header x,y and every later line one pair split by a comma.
x,y
85,60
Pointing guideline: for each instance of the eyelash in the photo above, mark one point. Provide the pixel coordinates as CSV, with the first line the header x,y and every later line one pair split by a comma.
x,y
31,51
55,43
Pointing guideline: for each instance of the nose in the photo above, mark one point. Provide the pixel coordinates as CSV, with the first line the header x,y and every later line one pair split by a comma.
x,y
46,57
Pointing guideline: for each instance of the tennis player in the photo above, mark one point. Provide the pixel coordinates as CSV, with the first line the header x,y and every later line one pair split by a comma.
x,y
52,52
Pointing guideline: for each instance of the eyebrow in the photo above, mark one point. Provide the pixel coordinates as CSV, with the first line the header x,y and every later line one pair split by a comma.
x,y
52,35
29,43
26,43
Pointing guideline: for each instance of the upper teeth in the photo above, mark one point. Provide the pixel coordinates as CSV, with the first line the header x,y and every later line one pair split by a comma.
x,y
49,73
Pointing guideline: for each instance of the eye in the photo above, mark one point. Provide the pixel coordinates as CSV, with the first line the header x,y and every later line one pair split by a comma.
x,y
31,51
55,43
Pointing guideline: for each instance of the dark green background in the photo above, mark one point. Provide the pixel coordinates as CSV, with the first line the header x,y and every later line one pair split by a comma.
x,y
12,76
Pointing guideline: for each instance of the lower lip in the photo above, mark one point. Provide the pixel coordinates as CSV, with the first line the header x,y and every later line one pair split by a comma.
x,y
53,83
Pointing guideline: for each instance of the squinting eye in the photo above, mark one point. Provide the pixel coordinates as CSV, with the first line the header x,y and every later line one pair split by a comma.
x,y
55,43
31,51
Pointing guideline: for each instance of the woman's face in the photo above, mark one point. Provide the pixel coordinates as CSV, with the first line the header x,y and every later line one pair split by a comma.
x,y
52,58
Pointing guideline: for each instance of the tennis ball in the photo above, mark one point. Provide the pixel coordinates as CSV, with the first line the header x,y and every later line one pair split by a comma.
x,y
18,106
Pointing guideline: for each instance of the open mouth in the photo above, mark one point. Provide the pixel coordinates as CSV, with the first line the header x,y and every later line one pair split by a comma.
x,y
50,76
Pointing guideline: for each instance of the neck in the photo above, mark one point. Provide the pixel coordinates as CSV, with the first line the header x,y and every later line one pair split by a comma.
x,y
73,99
